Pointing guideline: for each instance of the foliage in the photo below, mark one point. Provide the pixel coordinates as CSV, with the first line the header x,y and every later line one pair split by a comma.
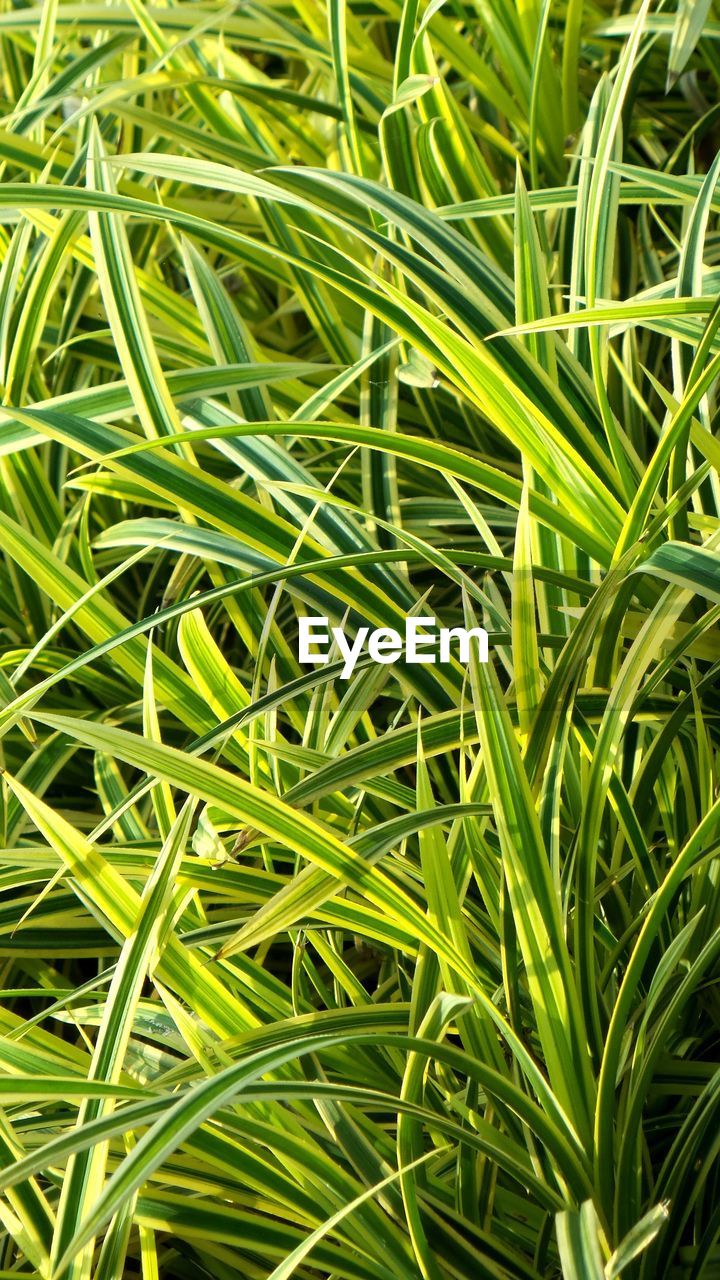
x,y
364,310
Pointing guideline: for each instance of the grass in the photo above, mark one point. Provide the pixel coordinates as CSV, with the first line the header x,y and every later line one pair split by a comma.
x,y
363,310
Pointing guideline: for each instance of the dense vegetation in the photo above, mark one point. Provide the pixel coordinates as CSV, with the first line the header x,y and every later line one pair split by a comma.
x,y
359,309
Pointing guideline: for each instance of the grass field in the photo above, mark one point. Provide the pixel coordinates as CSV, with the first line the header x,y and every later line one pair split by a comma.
x,y
366,310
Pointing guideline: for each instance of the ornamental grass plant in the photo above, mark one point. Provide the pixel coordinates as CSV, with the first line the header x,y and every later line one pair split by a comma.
x,y
367,310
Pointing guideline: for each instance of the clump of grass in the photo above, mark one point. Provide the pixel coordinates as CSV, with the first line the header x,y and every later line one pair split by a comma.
x,y
360,310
